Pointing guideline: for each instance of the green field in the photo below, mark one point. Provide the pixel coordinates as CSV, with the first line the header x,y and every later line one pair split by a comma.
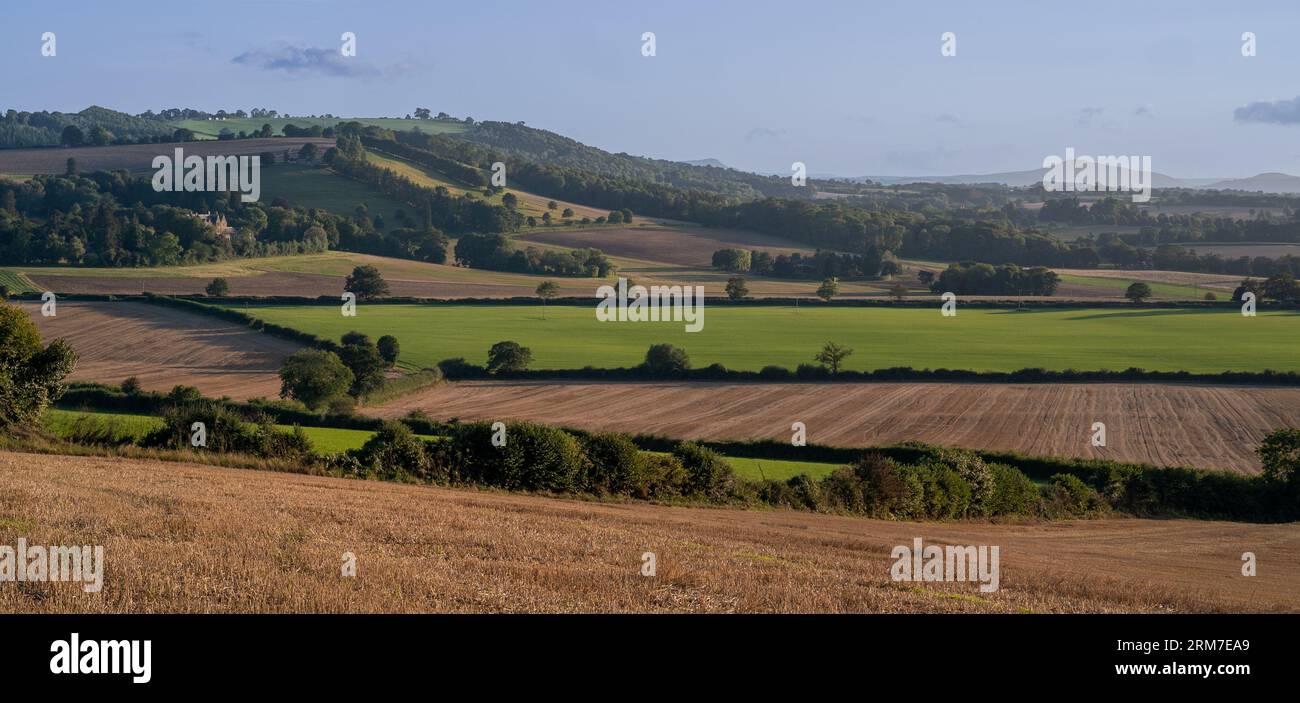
x,y
748,338
212,128
778,469
16,282
1162,290
311,187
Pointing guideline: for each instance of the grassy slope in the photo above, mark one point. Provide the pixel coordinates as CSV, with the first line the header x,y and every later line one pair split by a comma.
x,y
529,204
309,187
747,338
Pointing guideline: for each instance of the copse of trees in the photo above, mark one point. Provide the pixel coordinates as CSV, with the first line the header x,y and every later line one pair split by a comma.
x,y
496,252
969,278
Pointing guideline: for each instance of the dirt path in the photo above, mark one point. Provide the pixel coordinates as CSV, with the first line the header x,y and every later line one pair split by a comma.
x,y
185,537
164,347
1168,425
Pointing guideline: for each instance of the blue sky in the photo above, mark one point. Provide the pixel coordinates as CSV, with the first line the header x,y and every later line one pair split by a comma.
x,y
853,88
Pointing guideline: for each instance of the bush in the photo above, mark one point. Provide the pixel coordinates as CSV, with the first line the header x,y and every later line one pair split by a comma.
x,y
389,349
505,357
615,464
131,386
1013,492
666,361
1067,495
395,452
707,472
534,458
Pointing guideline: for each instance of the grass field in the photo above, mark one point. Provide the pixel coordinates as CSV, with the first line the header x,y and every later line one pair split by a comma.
x,y
310,187
1160,290
748,338
212,128
16,282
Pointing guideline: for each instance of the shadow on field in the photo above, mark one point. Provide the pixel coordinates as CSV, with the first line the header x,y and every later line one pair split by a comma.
x,y
1141,313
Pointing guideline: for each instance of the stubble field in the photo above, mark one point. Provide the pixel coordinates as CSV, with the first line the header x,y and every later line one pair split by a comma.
x,y
190,538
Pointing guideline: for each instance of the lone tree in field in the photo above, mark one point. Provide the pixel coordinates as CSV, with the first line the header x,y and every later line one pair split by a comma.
x,y
508,356
832,356
31,376
389,349
314,377
666,360
898,291
70,167
366,282
308,152
1137,292
829,288
551,205
736,288
218,288
547,290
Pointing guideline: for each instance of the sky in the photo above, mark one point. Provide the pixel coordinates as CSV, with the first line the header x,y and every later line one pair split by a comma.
x,y
849,88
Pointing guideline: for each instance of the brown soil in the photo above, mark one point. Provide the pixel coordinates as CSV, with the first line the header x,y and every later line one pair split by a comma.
x,y
164,347
192,538
1167,425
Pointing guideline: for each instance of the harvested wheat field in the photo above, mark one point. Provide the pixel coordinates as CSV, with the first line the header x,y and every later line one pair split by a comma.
x,y
187,537
164,347
1203,426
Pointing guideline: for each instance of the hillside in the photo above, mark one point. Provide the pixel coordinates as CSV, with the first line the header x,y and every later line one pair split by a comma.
x,y
33,129
194,538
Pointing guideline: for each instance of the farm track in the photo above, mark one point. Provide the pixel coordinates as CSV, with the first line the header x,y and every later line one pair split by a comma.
x,y
164,347
184,537
1205,426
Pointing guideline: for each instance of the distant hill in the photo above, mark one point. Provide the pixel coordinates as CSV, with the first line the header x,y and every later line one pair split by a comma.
x,y
1272,182
545,147
706,162
31,129
1011,178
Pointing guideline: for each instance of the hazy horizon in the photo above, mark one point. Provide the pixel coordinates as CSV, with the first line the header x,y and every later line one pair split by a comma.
x,y
848,89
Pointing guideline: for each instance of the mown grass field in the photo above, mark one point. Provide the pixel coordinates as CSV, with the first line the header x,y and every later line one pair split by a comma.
x,y
1162,290
211,128
748,338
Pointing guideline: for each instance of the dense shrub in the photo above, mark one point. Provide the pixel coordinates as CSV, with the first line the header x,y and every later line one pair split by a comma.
x,y
533,458
616,464
707,472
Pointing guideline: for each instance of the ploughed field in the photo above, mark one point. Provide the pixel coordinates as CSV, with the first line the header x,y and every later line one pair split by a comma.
x,y
751,337
164,347
1212,427
191,538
